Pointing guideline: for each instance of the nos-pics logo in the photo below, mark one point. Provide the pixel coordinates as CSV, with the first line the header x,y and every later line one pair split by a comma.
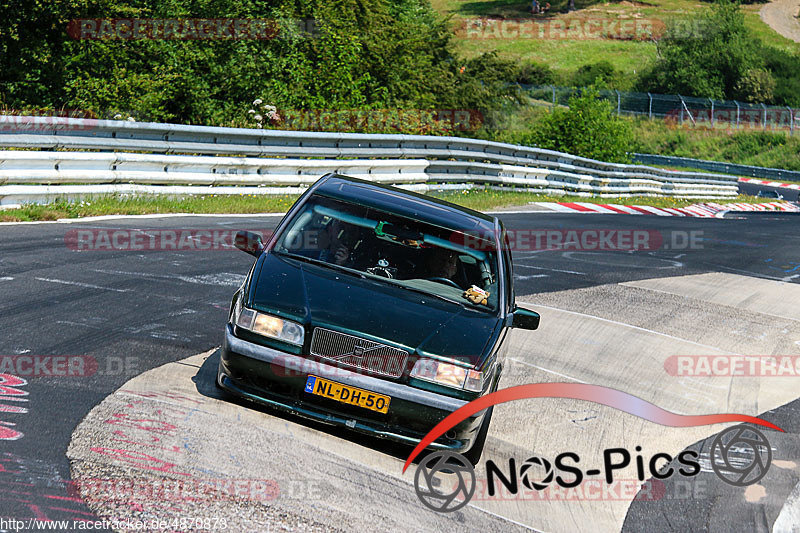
x,y
739,456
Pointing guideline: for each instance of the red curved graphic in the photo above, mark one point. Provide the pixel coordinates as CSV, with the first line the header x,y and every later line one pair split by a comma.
x,y
580,391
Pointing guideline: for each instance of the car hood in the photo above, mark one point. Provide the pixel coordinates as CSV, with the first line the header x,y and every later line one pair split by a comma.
x,y
320,296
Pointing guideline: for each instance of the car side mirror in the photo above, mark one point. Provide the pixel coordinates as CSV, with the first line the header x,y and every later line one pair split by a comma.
x,y
249,242
524,318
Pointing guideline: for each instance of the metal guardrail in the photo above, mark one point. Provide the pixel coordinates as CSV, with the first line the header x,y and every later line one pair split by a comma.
x,y
276,158
716,166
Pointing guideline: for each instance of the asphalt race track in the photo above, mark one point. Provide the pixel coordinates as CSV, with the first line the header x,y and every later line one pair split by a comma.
x,y
791,195
93,329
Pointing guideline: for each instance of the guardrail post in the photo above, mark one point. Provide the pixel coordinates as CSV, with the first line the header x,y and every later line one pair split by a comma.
x,y
791,120
765,116
737,113
683,104
712,113
553,87
619,101
650,107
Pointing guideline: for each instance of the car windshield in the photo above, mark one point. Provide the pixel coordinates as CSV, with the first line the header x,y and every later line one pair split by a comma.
x,y
444,262
769,194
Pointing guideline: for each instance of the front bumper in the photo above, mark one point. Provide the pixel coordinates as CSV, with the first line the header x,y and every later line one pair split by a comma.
x,y
277,379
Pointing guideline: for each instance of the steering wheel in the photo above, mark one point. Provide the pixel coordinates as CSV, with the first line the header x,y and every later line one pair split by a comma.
x,y
445,281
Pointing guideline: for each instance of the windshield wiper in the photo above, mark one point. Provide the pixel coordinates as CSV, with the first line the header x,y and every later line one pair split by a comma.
x,y
321,263
425,293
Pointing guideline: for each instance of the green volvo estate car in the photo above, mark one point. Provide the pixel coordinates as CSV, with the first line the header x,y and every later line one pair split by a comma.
x,y
377,309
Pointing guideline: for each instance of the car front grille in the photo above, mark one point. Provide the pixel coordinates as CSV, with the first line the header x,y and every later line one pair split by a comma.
x,y
356,352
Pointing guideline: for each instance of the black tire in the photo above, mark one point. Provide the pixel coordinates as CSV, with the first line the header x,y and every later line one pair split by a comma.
x,y
473,455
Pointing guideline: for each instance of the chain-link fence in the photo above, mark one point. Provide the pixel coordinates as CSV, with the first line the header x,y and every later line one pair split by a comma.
x,y
680,109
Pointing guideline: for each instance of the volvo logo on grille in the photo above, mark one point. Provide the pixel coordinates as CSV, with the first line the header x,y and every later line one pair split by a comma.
x,y
359,349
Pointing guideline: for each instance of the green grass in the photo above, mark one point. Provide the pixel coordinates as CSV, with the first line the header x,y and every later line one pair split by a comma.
x,y
566,55
115,205
478,199
764,149
484,200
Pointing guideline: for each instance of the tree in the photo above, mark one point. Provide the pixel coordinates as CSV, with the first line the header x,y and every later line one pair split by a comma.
x,y
707,59
361,54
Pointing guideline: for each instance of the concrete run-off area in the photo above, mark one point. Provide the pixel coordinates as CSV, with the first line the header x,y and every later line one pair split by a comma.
x,y
179,446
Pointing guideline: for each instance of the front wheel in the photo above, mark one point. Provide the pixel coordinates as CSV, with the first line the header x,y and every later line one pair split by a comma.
x,y
473,455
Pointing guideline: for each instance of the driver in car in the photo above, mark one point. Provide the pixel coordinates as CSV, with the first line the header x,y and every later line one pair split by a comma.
x,y
443,264
331,245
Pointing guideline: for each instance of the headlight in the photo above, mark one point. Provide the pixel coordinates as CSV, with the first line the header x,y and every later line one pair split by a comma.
x,y
269,326
448,374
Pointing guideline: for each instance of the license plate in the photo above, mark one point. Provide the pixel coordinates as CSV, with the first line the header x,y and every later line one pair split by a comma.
x,y
347,394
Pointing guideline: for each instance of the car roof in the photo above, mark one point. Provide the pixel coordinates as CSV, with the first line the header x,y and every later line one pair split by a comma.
x,y
404,203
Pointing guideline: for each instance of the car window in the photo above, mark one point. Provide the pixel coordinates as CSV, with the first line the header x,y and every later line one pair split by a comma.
x,y
445,262
769,194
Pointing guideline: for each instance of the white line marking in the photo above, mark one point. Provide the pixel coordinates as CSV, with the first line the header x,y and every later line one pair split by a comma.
x,y
557,207
551,269
627,209
756,274
633,327
569,255
529,212
596,208
633,284
80,324
517,276
219,278
79,284
6,278
655,210
546,370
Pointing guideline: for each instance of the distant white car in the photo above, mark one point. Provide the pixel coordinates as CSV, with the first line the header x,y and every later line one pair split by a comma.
x,y
770,194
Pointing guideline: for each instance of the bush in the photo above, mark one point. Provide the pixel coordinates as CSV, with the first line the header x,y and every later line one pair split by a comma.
x,y
705,61
589,128
783,66
601,74
535,74
757,85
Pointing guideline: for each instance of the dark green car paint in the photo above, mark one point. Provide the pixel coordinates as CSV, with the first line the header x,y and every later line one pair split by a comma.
x,y
423,326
